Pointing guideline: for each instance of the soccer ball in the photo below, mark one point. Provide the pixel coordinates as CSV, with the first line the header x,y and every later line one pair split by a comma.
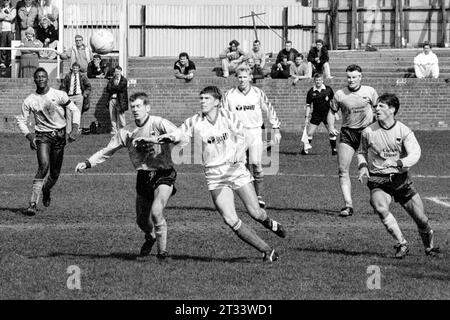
x,y
102,41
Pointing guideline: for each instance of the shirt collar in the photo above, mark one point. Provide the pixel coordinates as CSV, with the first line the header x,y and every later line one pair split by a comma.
x,y
322,87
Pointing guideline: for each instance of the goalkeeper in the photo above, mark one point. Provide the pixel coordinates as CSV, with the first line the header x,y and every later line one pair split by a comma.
x,y
155,173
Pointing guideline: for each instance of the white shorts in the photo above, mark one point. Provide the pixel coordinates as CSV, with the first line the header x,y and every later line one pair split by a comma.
x,y
233,176
254,145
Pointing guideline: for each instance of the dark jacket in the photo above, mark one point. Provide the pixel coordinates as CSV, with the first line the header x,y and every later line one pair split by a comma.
x,y
50,32
85,89
93,72
121,90
314,53
284,73
291,55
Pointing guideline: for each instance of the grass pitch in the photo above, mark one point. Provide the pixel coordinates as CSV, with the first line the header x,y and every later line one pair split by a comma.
x,y
90,224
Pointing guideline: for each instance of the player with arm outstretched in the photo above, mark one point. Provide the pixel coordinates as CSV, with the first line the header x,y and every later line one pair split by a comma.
x,y
222,138
248,102
155,170
388,149
49,107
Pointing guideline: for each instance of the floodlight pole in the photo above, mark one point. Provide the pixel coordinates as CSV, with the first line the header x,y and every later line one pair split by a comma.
x,y
253,15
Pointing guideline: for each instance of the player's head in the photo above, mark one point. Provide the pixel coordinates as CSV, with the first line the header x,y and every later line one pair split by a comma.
x,y
318,79
40,77
210,98
244,74
319,44
354,76
387,106
140,106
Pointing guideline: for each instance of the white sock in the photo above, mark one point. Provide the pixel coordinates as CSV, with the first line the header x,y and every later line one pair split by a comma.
x,y
392,227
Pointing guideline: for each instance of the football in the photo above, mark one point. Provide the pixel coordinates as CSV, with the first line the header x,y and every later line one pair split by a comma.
x,y
102,41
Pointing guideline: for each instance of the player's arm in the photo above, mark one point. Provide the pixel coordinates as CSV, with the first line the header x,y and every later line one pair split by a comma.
x,y
66,103
363,167
308,105
22,124
331,118
272,117
181,134
413,152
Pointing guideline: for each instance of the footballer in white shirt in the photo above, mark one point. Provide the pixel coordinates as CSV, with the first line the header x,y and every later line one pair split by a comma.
x,y
222,138
247,103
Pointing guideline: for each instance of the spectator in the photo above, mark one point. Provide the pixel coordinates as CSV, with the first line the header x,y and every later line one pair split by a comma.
x,y
426,63
231,57
78,88
257,71
27,13
299,70
281,70
49,10
259,58
78,53
47,34
184,68
97,68
118,99
7,16
29,60
318,60
289,52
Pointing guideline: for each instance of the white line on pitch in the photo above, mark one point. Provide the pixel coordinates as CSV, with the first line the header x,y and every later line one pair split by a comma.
x,y
439,200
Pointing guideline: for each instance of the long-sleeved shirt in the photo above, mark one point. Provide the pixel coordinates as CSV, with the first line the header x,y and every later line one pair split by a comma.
x,y
379,144
249,106
7,16
159,156
426,59
49,111
222,141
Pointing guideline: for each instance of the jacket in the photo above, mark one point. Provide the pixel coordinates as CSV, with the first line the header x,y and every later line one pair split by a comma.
x,y
85,89
121,90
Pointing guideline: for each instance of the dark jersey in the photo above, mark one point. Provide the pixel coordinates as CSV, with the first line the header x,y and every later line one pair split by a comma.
x,y
320,100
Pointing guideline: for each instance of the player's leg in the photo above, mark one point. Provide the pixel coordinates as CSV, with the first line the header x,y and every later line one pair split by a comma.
x,y
143,206
332,139
56,161
223,199
311,131
345,156
161,197
248,196
381,201
415,209
255,152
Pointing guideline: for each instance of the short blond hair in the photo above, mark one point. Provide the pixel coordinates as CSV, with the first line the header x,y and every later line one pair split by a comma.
x,y
243,68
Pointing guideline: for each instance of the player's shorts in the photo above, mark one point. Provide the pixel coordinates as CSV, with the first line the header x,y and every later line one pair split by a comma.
x,y
352,137
317,118
399,186
56,138
254,145
148,181
233,176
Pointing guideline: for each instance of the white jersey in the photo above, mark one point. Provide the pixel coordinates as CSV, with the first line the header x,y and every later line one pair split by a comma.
x,y
222,141
159,157
397,143
249,106
49,111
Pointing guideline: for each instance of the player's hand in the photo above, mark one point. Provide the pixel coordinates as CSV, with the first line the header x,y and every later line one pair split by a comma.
x,y
74,134
32,140
141,140
80,167
276,136
333,131
390,163
363,172
166,138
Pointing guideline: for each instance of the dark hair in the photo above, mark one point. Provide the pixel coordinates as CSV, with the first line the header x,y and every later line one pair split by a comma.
x,y
288,41
183,54
235,42
319,41
318,75
40,69
299,55
353,67
97,56
391,100
118,68
426,43
76,64
212,90
140,95
256,41
283,56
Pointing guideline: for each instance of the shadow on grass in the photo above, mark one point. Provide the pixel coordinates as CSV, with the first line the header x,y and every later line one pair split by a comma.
x,y
191,208
343,252
14,210
305,210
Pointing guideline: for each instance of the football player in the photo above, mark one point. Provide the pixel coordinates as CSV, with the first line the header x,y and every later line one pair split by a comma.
x,y
247,103
388,149
222,138
155,170
49,107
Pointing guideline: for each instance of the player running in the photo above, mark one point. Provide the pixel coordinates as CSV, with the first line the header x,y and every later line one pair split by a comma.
x,y
222,138
49,107
388,150
247,103
155,172
356,103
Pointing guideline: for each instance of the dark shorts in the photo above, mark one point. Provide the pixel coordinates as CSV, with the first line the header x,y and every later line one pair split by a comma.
x,y
317,118
56,138
148,181
399,186
352,137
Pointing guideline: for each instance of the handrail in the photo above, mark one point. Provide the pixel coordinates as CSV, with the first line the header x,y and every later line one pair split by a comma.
x,y
58,59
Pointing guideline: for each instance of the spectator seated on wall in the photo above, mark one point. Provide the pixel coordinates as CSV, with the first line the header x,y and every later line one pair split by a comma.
x,y
289,52
299,70
78,53
27,16
257,71
47,34
231,57
319,60
97,68
281,70
259,59
426,63
184,68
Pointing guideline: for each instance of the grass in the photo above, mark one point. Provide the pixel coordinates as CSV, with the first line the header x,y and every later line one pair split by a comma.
x,y
91,224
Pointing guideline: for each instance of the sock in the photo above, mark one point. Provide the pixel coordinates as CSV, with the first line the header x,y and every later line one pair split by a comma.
x,y
48,184
161,236
333,143
249,236
36,191
427,237
310,140
392,227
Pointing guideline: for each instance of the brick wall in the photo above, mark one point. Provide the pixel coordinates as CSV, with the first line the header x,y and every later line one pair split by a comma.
x,y
425,103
